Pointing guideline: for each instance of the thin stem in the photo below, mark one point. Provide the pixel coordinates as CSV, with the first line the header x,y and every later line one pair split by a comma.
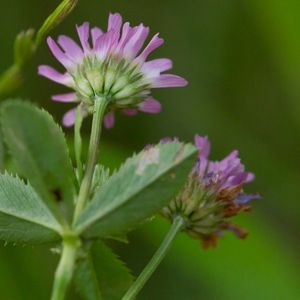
x,y
160,254
99,110
65,269
78,143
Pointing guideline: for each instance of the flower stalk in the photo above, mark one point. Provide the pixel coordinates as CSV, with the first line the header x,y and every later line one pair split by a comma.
x,y
155,261
98,115
65,269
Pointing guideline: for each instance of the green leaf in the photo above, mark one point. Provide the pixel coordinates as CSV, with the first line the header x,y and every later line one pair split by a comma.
x,y
142,186
38,146
86,281
102,271
101,174
24,218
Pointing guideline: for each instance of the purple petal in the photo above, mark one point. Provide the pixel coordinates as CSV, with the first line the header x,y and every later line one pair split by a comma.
x,y
69,118
104,43
154,67
59,54
151,106
72,50
169,80
136,42
66,98
96,33
127,32
153,44
239,179
109,120
203,144
84,34
55,76
244,198
114,22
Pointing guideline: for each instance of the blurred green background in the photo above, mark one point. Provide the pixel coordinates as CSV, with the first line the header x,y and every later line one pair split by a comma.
x,y
242,59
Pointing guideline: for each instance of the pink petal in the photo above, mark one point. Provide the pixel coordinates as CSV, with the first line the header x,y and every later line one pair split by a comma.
x,y
55,76
203,144
153,44
72,50
59,54
115,22
96,33
70,97
151,106
169,80
84,33
104,43
127,32
160,65
69,117
136,42
109,120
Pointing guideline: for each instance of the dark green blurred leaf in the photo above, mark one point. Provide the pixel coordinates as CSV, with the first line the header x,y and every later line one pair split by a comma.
x,y
85,280
142,186
38,146
105,269
24,218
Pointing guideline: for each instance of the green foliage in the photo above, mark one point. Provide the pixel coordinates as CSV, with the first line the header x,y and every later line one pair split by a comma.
x,y
24,218
38,146
101,174
102,271
85,280
58,15
142,186
24,47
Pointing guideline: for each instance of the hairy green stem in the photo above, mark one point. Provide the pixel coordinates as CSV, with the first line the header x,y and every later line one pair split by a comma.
x,y
160,254
99,111
65,269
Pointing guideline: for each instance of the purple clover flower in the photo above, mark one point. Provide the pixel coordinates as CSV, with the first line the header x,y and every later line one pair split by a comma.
x,y
212,195
110,64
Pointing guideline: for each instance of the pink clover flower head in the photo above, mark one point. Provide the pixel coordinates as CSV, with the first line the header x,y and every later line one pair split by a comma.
x,y
111,64
212,195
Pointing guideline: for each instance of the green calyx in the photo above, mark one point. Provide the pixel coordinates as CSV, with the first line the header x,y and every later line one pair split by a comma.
x,y
116,79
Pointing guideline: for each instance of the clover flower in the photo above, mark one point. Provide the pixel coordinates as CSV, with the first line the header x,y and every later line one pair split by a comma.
x,y
212,195
113,65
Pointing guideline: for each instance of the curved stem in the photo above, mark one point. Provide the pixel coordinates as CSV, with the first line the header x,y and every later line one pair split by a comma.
x,y
160,254
65,269
99,111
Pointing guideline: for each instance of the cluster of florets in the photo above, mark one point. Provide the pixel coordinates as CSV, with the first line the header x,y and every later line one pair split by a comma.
x,y
212,195
113,65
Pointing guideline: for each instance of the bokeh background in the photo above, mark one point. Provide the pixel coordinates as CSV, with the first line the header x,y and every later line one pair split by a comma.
x,y
242,59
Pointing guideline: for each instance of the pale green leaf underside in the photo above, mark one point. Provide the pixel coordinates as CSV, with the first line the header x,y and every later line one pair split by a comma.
x,y
38,146
24,218
102,273
142,186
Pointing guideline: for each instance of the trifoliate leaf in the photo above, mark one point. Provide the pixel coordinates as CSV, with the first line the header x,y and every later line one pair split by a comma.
x,y
24,218
142,186
38,146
